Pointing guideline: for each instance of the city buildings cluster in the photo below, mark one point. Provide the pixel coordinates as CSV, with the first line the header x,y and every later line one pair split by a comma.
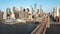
x,y
56,14
22,13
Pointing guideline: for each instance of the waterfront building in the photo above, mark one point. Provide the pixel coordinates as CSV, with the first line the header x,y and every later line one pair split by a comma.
x,y
27,10
56,11
59,11
40,11
26,13
59,14
4,15
31,10
16,12
22,13
1,15
24,10
35,7
37,11
52,14
8,10
35,15
12,15
30,13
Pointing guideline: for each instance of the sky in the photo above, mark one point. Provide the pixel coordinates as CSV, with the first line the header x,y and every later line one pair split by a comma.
x,y
47,5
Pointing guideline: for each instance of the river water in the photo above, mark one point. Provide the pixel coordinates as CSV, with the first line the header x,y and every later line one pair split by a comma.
x,y
54,29
17,28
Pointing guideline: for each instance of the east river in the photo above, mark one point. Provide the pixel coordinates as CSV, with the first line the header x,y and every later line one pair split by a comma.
x,y
17,28
54,29
26,28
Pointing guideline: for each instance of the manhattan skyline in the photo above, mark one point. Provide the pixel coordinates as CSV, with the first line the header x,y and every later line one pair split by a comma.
x,y
47,5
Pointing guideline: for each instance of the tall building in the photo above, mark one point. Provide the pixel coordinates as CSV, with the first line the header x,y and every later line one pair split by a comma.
x,y
22,13
56,11
16,12
8,13
31,10
40,11
27,10
1,15
12,16
37,11
35,7
4,15
59,11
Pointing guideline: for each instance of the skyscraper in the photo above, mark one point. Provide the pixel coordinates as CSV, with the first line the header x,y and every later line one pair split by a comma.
x,y
37,11
27,10
16,12
1,15
35,6
40,11
4,15
8,13
59,11
31,10
56,11
12,16
22,13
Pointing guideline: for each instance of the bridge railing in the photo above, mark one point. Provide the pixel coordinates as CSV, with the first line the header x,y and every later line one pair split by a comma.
x,y
41,28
